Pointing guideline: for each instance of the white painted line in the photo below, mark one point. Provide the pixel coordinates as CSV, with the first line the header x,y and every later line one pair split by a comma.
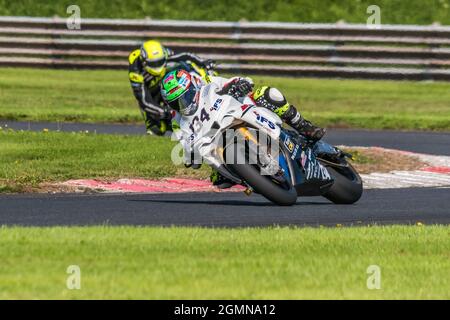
x,y
405,179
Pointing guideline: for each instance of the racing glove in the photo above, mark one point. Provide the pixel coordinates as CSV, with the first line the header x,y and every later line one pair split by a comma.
x,y
237,87
166,113
209,64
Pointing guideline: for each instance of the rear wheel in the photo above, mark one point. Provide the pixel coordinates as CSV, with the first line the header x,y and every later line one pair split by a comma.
x,y
347,187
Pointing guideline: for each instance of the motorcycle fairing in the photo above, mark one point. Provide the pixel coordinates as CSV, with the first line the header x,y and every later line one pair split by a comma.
x,y
301,165
310,177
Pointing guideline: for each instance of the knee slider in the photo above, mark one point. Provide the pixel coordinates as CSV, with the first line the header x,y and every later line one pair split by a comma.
x,y
275,97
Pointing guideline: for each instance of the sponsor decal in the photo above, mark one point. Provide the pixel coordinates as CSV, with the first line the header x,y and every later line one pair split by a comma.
x,y
264,121
216,105
294,154
289,144
303,158
258,92
169,78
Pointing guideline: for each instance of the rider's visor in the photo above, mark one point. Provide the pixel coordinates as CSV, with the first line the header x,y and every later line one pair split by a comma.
x,y
188,102
155,64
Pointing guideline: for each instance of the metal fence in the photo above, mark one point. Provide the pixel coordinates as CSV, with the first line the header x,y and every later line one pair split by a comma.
x,y
288,49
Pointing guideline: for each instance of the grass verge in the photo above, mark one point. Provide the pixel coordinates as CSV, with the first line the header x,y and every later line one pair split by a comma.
x,y
267,263
29,159
105,96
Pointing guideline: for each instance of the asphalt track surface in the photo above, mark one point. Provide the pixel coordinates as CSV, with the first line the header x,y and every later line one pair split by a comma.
x,y
382,206
437,143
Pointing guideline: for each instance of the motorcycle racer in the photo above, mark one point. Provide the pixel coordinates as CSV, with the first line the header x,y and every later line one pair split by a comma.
x,y
147,66
181,91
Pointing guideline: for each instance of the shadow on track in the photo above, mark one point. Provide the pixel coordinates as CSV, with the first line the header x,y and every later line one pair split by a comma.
x,y
239,203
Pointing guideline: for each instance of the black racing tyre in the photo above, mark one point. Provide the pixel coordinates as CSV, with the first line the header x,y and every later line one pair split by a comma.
x,y
347,187
283,195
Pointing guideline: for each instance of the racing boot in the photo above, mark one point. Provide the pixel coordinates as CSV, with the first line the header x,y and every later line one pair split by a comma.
x,y
304,127
220,181
157,127
274,100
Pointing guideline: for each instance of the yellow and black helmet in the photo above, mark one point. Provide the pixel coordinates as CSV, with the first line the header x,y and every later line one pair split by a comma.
x,y
154,57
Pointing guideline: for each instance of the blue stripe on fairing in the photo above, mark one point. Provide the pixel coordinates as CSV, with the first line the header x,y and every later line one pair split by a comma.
x,y
283,164
299,176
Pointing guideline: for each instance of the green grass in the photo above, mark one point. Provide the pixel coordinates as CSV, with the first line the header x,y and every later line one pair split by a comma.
x,y
369,104
193,263
30,158
105,96
87,96
392,11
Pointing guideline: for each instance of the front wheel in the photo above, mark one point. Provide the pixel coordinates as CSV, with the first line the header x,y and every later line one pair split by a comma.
x,y
283,194
347,187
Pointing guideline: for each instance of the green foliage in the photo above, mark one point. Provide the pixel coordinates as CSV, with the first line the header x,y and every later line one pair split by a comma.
x,y
393,11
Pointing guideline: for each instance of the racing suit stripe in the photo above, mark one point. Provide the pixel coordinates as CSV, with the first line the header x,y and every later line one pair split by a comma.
x,y
149,106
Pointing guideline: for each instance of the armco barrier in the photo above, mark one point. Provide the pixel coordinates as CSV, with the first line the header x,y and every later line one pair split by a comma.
x,y
292,49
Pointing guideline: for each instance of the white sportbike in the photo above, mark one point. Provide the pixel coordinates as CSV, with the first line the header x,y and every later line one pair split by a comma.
x,y
248,145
